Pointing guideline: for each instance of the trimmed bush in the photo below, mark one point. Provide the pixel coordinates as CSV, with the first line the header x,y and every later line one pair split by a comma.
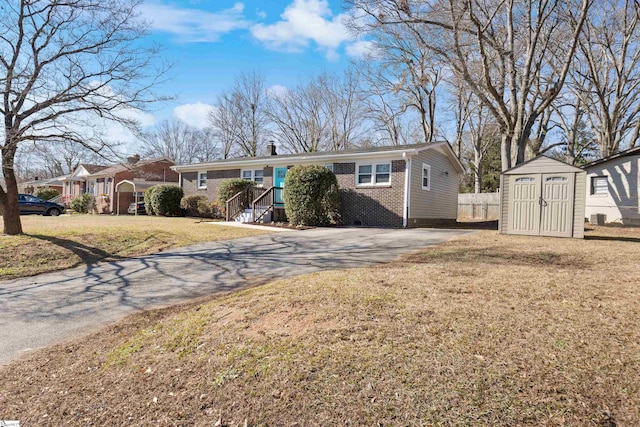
x,y
47,193
147,201
82,203
204,208
231,187
311,196
191,204
216,212
165,200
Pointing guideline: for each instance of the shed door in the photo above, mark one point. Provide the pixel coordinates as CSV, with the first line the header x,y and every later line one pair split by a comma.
x,y
557,205
524,204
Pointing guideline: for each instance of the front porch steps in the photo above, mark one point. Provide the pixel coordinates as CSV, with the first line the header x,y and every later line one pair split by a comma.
x,y
247,216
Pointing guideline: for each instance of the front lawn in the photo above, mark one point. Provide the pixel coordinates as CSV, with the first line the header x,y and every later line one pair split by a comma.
x,y
484,330
56,243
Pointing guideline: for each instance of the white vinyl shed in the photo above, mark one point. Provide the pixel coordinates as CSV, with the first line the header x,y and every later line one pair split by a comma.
x,y
543,197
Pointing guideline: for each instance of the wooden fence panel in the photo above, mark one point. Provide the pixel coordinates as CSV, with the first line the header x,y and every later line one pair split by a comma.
x,y
484,206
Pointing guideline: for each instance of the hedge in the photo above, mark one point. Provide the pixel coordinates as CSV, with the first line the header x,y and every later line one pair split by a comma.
x,y
82,203
47,193
231,187
165,200
311,196
191,204
148,206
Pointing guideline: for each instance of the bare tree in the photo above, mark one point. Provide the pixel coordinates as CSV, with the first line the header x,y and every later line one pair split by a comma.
x,y
506,51
297,115
54,158
342,109
178,142
61,63
608,73
240,120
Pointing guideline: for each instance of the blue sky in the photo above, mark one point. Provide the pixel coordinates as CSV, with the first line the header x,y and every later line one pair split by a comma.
x,y
212,41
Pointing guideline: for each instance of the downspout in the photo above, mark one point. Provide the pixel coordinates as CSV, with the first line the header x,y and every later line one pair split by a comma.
x,y
407,189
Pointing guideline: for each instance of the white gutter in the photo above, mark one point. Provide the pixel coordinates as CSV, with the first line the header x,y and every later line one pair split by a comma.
x,y
287,160
407,189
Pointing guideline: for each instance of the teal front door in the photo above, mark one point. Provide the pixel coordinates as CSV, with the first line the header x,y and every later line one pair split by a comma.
x,y
279,176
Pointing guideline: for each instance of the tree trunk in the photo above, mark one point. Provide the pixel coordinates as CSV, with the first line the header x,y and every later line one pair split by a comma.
x,y
505,151
478,170
9,204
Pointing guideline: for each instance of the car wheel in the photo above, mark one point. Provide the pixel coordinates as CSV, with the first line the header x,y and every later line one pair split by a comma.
x,y
53,212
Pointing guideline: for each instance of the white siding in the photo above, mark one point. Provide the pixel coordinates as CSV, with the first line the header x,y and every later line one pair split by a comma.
x,y
441,201
621,202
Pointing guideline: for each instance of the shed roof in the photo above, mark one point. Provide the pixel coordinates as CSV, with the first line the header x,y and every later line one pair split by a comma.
x,y
542,164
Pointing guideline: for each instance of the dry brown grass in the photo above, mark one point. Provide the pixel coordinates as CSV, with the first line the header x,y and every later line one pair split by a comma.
x,y
56,243
485,330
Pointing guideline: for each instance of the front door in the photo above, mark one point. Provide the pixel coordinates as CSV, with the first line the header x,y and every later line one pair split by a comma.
x,y
524,205
278,181
557,205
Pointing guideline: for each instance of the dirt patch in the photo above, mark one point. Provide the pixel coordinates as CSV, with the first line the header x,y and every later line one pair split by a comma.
x,y
484,330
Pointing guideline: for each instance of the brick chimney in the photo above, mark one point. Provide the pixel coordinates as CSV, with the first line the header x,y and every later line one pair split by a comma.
x,y
271,149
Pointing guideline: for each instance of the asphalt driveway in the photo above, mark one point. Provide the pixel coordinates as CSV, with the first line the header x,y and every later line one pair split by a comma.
x,y
41,310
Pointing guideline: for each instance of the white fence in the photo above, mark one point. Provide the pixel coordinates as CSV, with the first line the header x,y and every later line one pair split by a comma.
x,y
483,206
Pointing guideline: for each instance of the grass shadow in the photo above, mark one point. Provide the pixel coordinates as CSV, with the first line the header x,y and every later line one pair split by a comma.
x,y
88,254
614,238
469,225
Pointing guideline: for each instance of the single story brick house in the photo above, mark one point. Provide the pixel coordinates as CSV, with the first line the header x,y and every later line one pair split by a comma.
x,y
613,185
75,184
392,186
115,187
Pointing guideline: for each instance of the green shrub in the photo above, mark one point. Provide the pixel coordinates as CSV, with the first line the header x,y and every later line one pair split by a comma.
x,y
204,208
311,196
191,203
147,201
165,200
216,211
47,193
82,203
231,187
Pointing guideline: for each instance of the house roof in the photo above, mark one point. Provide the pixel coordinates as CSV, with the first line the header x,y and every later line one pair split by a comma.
x,y
542,164
326,156
57,181
112,170
93,168
630,152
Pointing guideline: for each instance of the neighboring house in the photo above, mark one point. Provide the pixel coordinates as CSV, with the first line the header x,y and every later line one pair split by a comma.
x,y
75,183
112,197
396,186
32,187
612,188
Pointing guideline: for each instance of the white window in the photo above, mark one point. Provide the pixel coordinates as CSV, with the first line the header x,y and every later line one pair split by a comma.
x,y
599,185
256,175
426,176
373,174
202,180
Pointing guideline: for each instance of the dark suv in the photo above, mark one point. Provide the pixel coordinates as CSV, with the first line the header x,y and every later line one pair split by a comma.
x,y
29,204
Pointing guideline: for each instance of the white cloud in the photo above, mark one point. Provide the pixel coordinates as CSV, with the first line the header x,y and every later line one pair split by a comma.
x,y
196,115
194,25
261,14
359,49
277,91
304,22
